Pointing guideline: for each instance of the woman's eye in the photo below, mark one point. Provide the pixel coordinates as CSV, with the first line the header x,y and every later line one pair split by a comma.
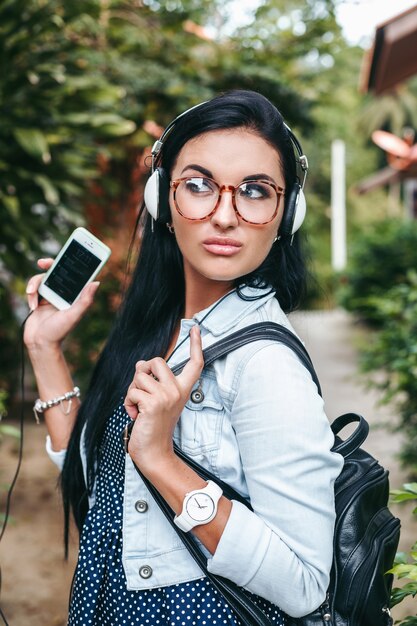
x,y
255,191
199,185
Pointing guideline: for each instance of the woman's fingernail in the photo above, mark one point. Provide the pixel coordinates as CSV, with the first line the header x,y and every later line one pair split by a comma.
x,y
32,304
30,289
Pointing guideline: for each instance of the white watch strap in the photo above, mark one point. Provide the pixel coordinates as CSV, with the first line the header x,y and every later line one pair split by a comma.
x,y
183,522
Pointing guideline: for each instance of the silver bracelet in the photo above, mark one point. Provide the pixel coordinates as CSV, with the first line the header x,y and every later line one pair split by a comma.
x,y
41,406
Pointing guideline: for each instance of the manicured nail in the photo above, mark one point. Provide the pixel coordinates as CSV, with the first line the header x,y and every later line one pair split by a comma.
x,y
30,289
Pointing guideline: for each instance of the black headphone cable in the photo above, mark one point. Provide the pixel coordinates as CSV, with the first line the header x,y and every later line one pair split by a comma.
x,y
20,455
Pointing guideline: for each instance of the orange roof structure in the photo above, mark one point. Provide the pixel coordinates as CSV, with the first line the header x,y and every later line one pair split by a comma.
x,y
393,56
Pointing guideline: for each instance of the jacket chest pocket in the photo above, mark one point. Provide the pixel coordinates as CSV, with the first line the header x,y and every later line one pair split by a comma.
x,y
199,427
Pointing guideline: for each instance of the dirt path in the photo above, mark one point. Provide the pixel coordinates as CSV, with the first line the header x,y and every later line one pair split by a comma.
x,y
35,577
36,580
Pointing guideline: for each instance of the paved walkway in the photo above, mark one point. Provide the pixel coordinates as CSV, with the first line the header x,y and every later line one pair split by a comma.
x,y
332,339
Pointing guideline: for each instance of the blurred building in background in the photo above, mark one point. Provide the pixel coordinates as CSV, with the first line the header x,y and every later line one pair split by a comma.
x,y
391,60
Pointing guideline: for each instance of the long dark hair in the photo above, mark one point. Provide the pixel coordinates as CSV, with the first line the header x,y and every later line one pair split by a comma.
x,y
154,301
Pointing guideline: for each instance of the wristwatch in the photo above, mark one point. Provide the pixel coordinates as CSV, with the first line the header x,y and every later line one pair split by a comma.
x,y
199,507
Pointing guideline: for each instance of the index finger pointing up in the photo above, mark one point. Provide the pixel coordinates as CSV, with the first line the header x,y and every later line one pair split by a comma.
x,y
192,371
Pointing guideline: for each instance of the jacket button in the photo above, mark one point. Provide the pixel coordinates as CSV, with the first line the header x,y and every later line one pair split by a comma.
x,y
145,571
141,506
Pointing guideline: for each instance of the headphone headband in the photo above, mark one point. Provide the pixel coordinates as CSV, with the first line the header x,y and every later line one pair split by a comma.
x,y
157,146
302,158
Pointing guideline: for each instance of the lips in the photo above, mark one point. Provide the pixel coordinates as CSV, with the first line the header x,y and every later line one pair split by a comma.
x,y
223,246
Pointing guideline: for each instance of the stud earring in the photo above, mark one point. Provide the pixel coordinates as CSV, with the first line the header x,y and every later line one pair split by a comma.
x,y
170,228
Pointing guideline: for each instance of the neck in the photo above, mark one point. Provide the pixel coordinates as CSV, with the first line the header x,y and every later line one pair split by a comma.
x,y
201,293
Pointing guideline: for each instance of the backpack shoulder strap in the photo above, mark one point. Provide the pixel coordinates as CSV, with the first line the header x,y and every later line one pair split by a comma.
x,y
256,332
277,332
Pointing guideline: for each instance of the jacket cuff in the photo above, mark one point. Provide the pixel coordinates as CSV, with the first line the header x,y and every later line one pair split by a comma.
x,y
56,457
229,560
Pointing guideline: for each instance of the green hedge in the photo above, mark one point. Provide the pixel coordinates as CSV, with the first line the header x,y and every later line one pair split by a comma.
x,y
405,566
393,354
379,259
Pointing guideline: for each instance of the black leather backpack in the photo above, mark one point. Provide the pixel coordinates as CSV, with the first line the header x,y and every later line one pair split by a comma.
x,y
365,539
366,533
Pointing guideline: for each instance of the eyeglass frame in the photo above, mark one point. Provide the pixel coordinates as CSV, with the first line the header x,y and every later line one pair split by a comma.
x,y
280,191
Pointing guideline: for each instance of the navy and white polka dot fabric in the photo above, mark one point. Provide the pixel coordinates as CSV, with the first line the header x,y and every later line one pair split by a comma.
x,y
100,596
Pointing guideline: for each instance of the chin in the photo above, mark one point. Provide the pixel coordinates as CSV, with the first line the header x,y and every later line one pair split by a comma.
x,y
226,276
222,270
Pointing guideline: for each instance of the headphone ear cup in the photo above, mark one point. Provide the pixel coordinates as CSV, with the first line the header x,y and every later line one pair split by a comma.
x,y
156,196
294,211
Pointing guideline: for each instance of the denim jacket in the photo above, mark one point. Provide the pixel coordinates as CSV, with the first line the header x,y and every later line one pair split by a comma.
x,y
261,427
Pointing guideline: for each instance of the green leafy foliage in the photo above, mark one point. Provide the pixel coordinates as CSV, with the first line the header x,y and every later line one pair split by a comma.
x,y
405,565
3,398
393,111
393,356
408,621
57,106
380,258
59,111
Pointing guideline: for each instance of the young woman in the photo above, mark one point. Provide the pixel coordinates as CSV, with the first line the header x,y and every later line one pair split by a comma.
x,y
220,255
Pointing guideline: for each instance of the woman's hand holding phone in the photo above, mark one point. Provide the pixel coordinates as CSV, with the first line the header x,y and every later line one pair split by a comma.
x,y
58,299
44,332
65,287
48,326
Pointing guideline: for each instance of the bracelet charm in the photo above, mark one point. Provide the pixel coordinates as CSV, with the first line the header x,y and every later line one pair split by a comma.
x,y
41,406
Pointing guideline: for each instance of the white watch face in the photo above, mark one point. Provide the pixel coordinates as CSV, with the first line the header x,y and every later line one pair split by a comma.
x,y
200,506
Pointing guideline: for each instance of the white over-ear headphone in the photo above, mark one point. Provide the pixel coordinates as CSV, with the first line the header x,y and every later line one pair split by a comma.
x,y
295,207
156,193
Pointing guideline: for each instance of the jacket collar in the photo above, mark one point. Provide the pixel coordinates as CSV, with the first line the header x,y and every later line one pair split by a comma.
x,y
220,317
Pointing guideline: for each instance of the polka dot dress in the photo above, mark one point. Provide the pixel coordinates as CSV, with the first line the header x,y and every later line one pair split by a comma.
x,y
100,596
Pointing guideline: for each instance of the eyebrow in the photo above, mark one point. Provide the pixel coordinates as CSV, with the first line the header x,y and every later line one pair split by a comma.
x,y
198,168
206,172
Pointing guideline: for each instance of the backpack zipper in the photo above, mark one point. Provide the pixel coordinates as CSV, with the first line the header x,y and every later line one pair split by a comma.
x,y
363,566
325,612
386,610
390,529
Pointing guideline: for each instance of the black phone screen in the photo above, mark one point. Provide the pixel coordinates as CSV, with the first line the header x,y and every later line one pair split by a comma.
x,y
72,271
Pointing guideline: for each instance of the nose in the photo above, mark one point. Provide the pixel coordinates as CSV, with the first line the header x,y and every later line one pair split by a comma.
x,y
225,215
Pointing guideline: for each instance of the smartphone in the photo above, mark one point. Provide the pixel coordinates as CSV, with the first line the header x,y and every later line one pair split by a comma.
x,y
78,262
